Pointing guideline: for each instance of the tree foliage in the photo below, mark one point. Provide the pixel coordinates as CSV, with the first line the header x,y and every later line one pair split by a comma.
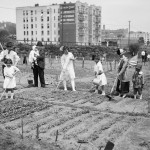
x,y
141,40
134,48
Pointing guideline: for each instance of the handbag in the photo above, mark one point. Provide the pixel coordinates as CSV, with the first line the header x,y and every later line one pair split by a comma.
x,y
97,81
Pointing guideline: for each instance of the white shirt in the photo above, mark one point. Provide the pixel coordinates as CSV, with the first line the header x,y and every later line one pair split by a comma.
x,y
98,67
12,55
148,56
143,53
32,55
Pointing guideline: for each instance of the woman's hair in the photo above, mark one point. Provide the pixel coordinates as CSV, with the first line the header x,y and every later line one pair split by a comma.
x,y
9,61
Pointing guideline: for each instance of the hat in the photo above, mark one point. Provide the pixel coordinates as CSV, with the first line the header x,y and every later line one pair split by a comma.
x,y
9,61
62,48
39,43
120,51
9,44
138,66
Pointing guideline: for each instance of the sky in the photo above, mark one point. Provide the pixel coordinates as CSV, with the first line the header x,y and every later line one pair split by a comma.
x,y
116,14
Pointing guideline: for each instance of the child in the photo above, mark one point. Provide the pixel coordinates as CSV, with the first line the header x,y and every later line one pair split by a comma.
x,y
138,81
99,76
10,81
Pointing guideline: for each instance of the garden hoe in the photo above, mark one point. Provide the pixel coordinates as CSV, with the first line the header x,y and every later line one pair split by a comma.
x,y
110,96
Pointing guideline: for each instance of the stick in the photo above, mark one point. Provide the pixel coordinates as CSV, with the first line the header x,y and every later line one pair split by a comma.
x,y
114,85
56,136
22,127
37,131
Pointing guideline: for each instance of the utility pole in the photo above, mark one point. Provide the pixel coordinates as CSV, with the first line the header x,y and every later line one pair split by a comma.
x,y
129,35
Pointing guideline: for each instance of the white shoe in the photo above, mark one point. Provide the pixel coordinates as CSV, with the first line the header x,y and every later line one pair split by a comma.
x,y
96,92
103,93
74,90
65,90
141,97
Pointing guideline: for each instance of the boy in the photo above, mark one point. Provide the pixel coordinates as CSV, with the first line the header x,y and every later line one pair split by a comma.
x,y
138,81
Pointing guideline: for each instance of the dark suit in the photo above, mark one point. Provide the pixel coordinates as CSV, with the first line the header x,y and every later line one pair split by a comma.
x,y
39,68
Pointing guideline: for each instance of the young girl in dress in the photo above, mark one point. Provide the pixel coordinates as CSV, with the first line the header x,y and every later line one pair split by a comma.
x,y
10,81
99,76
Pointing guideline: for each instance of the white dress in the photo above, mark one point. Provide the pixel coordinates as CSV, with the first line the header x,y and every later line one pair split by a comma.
x,y
67,66
10,82
98,67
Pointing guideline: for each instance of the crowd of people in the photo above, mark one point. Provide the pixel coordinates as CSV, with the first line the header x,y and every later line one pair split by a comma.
x,y
9,58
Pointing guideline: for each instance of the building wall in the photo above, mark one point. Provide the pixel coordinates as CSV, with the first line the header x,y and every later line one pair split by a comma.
x,y
67,23
32,23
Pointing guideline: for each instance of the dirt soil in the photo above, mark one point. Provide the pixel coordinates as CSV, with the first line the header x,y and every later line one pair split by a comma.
x,y
80,115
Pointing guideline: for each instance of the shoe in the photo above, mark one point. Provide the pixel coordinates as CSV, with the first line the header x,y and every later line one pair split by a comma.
x,y
96,92
103,93
124,96
65,90
74,90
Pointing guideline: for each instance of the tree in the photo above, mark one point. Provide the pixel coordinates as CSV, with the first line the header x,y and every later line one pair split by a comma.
x,y
134,48
4,36
141,40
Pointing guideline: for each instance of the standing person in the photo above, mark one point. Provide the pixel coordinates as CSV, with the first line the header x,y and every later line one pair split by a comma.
x,y
9,53
100,76
143,57
67,62
37,60
146,56
138,81
10,81
25,59
123,64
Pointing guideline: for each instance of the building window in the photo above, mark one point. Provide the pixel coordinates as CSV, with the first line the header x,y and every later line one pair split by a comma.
x,y
41,12
23,19
54,17
24,26
27,19
35,12
54,25
48,39
42,32
31,19
24,32
35,18
47,32
54,10
27,26
27,32
42,26
35,25
36,39
55,39
42,18
31,12
27,39
42,39
31,32
24,39
47,18
47,11
48,25
36,32
26,12
31,26
23,12
54,32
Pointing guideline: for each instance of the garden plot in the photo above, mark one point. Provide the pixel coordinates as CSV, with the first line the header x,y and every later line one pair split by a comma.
x,y
80,115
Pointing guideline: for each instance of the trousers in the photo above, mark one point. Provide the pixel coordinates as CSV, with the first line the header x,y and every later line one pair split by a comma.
x,y
38,72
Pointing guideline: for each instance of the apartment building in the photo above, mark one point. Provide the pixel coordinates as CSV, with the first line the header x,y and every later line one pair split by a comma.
x,y
38,23
74,23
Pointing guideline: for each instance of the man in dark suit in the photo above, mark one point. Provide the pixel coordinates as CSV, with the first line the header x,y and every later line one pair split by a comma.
x,y
39,65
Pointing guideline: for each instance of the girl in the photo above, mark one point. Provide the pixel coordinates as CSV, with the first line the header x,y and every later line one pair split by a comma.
x,y
10,81
99,75
138,81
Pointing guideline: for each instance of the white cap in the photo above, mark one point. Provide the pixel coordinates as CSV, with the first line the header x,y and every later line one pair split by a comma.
x,y
61,48
121,51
